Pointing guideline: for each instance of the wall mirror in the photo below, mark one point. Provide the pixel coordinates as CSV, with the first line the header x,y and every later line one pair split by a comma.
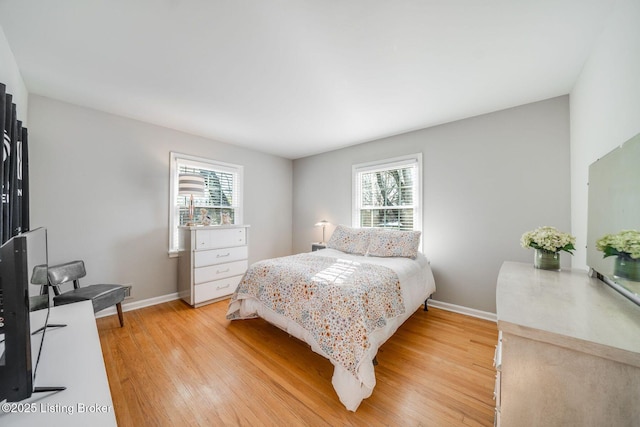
x,y
614,206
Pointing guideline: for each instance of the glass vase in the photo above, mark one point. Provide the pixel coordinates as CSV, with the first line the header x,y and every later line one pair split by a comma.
x,y
627,268
546,260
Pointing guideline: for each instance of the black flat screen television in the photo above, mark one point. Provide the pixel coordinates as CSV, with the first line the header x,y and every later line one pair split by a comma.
x,y
23,272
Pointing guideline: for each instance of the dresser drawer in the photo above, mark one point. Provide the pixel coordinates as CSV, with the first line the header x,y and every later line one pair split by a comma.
x,y
216,289
219,256
219,271
497,389
220,238
497,356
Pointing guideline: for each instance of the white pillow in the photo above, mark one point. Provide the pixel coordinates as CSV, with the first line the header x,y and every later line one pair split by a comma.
x,y
349,240
394,243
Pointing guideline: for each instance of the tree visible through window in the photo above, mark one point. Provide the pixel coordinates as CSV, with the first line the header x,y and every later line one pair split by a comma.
x,y
386,194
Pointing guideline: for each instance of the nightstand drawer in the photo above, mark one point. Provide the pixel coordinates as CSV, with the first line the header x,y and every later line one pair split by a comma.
x,y
219,271
215,289
219,256
220,238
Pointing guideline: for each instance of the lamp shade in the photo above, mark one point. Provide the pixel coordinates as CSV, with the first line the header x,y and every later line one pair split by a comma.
x,y
190,184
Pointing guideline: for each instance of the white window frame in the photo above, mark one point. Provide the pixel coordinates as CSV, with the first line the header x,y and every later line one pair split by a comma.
x,y
382,165
177,159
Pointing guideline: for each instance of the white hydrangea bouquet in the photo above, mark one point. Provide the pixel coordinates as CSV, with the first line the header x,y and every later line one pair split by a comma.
x,y
625,244
548,239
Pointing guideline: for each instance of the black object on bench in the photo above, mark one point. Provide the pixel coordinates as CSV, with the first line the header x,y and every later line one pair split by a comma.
x,y
101,296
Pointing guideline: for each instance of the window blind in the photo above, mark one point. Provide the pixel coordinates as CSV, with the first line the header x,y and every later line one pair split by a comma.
x,y
386,194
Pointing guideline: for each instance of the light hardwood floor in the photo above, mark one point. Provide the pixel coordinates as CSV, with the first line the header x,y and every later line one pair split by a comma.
x,y
172,365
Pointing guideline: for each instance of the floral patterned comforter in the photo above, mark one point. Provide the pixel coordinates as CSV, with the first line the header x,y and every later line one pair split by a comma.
x,y
340,302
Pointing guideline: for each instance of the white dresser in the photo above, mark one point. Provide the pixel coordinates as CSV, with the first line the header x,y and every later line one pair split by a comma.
x,y
211,262
569,351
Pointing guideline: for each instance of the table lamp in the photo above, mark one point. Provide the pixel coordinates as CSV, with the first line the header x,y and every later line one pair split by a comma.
x,y
322,224
190,185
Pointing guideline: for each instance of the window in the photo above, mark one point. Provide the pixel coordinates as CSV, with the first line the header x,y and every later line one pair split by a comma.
x,y
386,194
222,193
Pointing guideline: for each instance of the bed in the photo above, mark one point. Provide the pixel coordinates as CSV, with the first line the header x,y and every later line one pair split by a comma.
x,y
344,301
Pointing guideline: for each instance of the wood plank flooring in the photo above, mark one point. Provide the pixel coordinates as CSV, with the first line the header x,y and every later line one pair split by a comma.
x,y
172,365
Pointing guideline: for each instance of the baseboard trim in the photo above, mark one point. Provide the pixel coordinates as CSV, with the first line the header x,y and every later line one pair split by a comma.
x,y
134,305
174,296
463,310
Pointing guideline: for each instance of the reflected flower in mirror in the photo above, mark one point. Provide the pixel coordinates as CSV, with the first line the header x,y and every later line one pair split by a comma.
x,y
625,246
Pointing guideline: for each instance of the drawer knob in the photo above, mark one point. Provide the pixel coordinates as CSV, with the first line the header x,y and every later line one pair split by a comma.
x,y
222,256
225,286
223,271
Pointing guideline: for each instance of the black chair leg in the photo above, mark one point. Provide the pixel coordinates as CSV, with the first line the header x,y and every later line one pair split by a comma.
x,y
120,317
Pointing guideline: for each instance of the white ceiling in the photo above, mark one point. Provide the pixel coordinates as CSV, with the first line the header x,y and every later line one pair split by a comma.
x,y
299,77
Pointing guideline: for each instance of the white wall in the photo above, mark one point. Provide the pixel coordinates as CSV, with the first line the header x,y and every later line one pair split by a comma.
x,y
487,180
10,76
605,107
100,184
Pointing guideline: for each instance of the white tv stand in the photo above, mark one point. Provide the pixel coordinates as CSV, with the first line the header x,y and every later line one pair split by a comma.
x,y
72,358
